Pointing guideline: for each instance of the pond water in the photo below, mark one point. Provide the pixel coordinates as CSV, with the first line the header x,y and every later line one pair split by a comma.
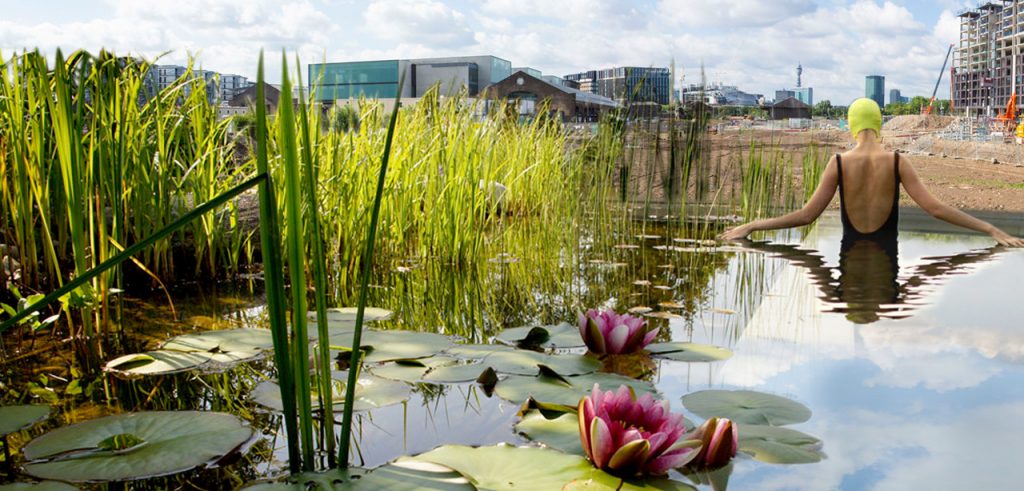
x,y
913,365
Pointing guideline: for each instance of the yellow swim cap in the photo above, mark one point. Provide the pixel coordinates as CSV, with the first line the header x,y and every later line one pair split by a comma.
x,y
864,114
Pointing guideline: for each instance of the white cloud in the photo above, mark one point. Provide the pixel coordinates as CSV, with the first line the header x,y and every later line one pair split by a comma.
x,y
426,22
754,44
731,14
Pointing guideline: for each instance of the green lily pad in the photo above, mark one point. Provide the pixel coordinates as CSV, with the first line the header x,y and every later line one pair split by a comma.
x,y
504,467
403,475
158,362
17,418
345,317
384,346
38,486
557,336
371,393
561,433
775,445
689,352
176,441
513,361
436,369
476,351
240,340
524,362
747,406
546,389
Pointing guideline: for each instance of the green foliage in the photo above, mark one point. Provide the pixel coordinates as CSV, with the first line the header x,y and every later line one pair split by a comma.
x,y
343,119
916,105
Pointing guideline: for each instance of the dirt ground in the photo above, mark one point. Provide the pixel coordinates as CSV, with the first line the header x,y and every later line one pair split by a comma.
x,y
973,176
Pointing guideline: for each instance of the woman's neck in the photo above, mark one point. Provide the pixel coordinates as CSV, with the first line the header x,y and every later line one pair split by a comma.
x,y
867,140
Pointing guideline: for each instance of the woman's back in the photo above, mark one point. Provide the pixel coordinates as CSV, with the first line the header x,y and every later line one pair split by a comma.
x,y
869,189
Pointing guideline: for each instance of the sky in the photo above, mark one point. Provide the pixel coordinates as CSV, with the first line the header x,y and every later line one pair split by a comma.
x,y
753,44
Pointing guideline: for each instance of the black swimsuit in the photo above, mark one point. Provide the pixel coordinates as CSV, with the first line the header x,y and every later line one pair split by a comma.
x,y
875,254
891,223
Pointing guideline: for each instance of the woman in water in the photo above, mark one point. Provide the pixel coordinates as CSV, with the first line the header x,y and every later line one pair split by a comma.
x,y
868,178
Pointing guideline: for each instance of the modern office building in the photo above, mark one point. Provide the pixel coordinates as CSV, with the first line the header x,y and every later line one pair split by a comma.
x,y
380,78
533,72
219,87
626,84
895,97
990,50
874,88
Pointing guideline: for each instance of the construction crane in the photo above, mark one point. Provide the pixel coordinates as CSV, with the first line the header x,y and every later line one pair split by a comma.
x,y
928,110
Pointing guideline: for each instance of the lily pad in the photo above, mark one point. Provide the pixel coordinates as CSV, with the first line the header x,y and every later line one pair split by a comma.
x,y
436,369
558,336
775,445
403,475
157,362
561,433
747,406
346,316
38,486
690,352
371,393
547,389
523,362
504,467
17,418
175,441
476,351
392,345
222,341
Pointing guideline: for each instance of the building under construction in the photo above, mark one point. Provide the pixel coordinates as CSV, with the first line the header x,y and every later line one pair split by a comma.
x,y
989,57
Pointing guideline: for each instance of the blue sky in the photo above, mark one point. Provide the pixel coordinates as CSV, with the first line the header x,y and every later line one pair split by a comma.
x,y
754,44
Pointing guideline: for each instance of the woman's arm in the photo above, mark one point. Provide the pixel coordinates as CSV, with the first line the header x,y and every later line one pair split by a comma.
x,y
809,213
919,193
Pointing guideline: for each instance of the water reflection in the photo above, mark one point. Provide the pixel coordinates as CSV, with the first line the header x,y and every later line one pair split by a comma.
x,y
867,284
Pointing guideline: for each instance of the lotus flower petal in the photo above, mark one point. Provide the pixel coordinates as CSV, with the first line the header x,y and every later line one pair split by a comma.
x,y
606,332
629,458
628,435
720,440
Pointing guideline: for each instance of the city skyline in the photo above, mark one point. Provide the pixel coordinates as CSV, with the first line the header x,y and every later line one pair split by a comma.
x,y
755,45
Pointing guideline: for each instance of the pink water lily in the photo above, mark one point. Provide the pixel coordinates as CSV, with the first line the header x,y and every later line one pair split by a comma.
x,y
606,332
720,440
629,436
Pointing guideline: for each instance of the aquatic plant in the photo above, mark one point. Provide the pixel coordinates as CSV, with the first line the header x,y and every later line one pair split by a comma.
x,y
629,436
607,332
720,439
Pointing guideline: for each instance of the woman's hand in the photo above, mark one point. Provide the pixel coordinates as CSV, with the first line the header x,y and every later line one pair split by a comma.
x,y
736,233
1006,239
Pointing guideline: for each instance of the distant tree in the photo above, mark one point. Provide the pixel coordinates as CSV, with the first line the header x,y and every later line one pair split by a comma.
x,y
344,118
822,109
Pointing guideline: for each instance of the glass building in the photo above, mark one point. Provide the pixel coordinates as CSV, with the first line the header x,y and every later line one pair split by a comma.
x,y
350,80
874,88
626,84
379,79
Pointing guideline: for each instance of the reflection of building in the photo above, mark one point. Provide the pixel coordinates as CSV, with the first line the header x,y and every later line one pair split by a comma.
x,y
532,92
379,78
717,94
874,88
633,84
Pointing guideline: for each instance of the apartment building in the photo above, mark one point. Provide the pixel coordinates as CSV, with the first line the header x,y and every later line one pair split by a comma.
x,y
989,56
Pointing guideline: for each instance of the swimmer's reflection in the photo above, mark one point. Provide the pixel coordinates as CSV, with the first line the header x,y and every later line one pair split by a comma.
x,y
867,285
